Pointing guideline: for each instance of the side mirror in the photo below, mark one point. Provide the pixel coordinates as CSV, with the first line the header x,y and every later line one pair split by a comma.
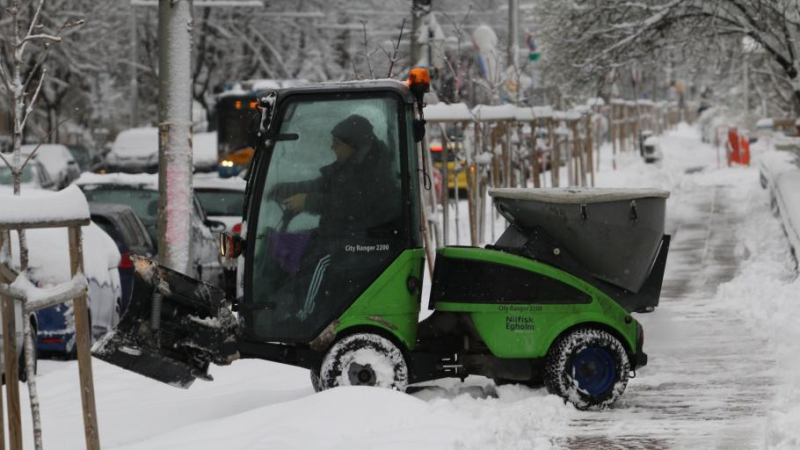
x,y
419,130
215,225
267,104
230,245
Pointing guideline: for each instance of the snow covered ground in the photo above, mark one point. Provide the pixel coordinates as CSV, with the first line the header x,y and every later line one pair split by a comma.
x,y
723,370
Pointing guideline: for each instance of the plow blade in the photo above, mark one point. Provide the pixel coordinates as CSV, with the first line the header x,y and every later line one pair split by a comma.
x,y
174,328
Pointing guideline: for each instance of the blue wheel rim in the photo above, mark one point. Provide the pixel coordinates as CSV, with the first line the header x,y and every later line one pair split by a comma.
x,y
595,370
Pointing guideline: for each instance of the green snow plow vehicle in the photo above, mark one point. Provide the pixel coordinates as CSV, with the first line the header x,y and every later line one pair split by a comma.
x,y
331,259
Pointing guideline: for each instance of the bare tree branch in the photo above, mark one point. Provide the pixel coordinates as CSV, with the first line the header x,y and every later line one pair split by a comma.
x,y
394,58
366,53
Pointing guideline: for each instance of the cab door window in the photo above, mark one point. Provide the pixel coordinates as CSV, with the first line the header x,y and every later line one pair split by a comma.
x,y
330,216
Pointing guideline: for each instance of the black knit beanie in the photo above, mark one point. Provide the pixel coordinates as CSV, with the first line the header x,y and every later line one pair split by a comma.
x,y
354,131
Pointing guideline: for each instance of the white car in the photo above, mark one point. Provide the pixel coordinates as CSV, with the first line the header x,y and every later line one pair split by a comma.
x,y
223,200
58,161
49,266
34,175
135,150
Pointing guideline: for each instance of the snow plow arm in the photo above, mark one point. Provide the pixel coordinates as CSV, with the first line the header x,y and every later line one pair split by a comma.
x,y
174,328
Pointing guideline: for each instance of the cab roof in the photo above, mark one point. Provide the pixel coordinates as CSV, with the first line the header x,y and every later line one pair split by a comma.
x,y
356,86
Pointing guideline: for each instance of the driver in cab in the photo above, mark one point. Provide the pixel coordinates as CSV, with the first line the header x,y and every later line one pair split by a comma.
x,y
349,193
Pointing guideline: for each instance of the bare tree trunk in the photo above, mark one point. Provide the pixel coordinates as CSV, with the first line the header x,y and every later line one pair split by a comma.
x,y
30,371
22,99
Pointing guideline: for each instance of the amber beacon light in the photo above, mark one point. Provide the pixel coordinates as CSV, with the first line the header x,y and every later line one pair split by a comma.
x,y
419,80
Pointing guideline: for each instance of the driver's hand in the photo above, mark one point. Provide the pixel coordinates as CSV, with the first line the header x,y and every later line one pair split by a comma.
x,y
296,203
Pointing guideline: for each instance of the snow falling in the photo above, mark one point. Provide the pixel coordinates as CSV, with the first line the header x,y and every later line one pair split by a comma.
x,y
720,344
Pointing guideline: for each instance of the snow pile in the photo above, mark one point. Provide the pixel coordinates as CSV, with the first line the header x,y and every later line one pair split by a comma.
x,y
780,174
442,112
766,293
43,206
49,255
39,298
484,113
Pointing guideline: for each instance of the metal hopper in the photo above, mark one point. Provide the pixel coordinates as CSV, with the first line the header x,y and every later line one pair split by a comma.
x,y
615,234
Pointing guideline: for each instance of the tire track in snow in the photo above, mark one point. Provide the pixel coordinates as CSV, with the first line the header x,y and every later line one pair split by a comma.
x,y
709,381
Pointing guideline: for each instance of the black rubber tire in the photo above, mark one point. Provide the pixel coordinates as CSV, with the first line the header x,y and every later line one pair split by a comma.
x,y
364,359
611,360
315,380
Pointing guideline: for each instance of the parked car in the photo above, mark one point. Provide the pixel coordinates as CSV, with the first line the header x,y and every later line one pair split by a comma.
x,y
48,252
88,159
129,233
34,175
135,151
58,161
50,266
140,192
223,200
456,167
651,150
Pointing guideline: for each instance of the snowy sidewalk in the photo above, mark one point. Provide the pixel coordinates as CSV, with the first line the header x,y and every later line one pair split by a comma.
x,y
723,370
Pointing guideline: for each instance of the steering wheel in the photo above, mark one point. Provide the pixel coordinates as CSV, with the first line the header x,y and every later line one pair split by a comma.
x,y
286,217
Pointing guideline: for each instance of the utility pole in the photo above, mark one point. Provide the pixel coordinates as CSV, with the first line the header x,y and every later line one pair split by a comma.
x,y
134,71
419,11
134,85
175,204
513,33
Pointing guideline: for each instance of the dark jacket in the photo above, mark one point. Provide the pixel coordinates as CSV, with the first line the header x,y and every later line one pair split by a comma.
x,y
354,196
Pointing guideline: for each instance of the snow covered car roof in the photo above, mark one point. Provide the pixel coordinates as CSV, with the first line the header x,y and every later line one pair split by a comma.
x,y
577,195
141,142
213,181
142,180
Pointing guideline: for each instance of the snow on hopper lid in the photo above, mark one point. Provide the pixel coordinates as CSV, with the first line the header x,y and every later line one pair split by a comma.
x,y
577,195
442,112
37,206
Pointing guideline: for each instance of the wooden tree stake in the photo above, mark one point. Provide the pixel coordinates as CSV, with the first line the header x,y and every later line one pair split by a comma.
x,y
83,343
